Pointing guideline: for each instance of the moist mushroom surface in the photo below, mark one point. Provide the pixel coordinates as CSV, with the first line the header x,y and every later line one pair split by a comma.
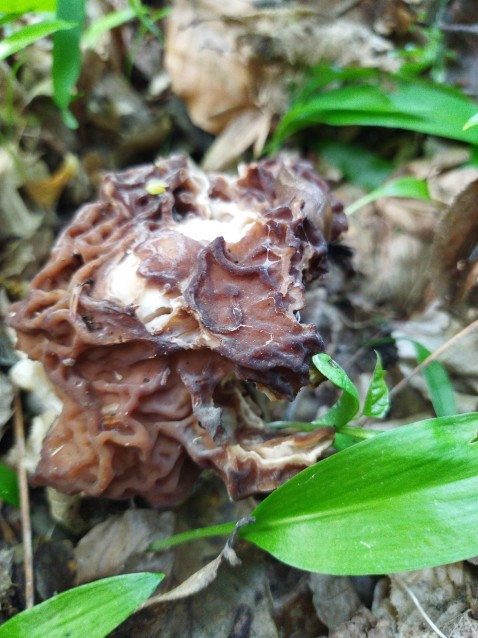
x,y
167,309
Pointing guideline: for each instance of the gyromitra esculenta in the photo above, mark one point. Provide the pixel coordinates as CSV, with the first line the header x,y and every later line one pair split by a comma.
x,y
165,308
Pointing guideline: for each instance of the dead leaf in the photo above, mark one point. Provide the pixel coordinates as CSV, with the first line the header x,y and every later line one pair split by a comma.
x,y
55,568
236,604
334,597
454,258
110,546
441,592
232,64
46,192
362,624
206,575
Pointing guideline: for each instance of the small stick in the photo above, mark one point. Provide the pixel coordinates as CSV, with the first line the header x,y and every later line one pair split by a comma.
x,y
24,503
463,333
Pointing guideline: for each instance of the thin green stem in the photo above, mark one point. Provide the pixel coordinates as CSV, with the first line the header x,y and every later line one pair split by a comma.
x,y
192,535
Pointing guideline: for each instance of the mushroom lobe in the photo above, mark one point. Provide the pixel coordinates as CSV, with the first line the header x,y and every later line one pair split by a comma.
x,y
166,309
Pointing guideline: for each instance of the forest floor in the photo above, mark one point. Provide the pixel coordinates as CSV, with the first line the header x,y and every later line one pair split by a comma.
x,y
212,83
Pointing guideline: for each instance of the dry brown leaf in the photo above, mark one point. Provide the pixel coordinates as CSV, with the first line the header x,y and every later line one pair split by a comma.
x,y
334,598
232,64
46,192
236,605
109,548
454,253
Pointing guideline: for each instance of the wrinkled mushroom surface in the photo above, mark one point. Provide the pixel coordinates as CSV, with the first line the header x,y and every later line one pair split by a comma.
x,y
163,309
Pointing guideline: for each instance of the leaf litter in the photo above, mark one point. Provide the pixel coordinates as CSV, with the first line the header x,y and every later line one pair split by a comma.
x,y
403,269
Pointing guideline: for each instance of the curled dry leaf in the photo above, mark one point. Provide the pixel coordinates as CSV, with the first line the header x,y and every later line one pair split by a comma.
x,y
164,307
454,257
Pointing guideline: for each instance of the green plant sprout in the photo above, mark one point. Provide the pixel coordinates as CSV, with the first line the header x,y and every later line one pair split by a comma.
x,y
64,20
92,610
368,97
397,500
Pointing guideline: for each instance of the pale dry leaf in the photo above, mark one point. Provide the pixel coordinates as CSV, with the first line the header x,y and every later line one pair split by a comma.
x,y
207,574
229,62
363,624
441,593
237,604
109,546
334,597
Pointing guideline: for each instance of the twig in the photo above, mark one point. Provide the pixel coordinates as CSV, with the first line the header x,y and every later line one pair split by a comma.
x,y
423,613
463,333
24,503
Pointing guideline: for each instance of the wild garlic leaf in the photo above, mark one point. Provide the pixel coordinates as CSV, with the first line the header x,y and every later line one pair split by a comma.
x,y
91,610
403,500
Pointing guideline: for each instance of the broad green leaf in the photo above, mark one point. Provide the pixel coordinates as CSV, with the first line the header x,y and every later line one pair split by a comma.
x,y
30,34
381,100
348,405
9,486
408,187
377,401
106,23
27,6
67,56
403,500
91,610
358,165
438,382
473,121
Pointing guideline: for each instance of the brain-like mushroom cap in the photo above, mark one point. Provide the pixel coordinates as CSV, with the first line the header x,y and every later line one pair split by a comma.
x,y
163,307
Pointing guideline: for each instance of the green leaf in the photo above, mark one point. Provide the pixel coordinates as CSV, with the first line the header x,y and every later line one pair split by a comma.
x,y
438,382
473,121
378,99
27,6
403,500
408,187
67,55
106,23
343,441
358,165
30,34
91,610
9,486
377,401
349,403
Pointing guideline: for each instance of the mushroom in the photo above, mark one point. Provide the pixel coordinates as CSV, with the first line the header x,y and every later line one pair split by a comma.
x,y
166,311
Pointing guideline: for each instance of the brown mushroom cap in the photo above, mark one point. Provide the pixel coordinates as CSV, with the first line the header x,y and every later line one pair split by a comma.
x,y
163,307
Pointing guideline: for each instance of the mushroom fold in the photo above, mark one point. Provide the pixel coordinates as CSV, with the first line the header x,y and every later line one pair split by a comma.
x,y
167,309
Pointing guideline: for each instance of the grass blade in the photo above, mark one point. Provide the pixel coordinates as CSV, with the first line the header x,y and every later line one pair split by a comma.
x,y
67,56
407,187
403,500
28,35
27,6
380,100
110,21
9,486
438,382
91,610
